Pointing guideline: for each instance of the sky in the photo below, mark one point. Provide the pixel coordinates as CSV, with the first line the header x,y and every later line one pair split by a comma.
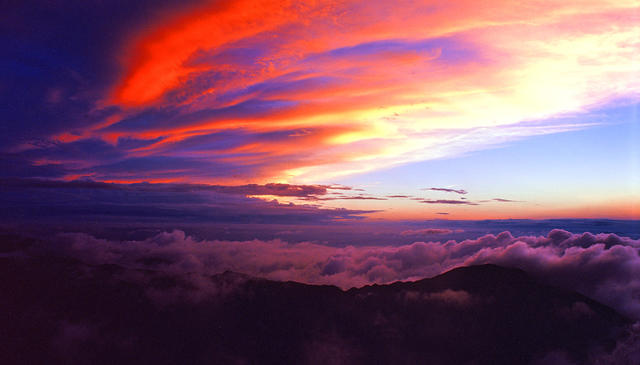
x,y
529,108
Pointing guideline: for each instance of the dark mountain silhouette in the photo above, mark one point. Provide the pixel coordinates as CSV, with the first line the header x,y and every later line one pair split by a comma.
x,y
61,311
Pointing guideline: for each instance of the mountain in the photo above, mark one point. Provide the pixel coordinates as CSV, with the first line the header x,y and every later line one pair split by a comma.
x,y
60,311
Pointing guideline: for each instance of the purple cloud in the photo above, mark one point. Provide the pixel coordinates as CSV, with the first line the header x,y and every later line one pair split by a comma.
x,y
447,201
81,201
603,266
343,197
275,189
500,200
447,190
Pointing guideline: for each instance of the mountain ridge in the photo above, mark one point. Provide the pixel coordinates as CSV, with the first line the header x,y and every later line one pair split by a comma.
x,y
484,314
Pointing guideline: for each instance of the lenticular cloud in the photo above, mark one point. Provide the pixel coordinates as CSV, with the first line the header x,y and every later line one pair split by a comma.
x,y
605,267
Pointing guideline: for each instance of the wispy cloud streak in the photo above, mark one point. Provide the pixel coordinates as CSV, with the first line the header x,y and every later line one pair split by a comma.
x,y
447,190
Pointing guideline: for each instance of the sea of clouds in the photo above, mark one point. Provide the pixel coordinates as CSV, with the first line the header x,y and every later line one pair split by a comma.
x,y
605,267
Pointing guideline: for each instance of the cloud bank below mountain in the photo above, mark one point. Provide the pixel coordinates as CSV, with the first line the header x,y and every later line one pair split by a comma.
x,y
603,266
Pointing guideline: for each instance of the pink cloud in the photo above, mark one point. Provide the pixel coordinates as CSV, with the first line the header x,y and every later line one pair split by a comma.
x,y
603,266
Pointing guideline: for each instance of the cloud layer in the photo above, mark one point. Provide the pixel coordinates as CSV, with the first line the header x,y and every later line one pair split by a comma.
x,y
605,267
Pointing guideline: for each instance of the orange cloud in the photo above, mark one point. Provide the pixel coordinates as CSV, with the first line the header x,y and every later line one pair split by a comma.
x,y
158,61
376,84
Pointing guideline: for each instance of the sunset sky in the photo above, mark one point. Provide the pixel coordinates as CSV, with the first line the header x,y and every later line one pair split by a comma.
x,y
182,181
390,110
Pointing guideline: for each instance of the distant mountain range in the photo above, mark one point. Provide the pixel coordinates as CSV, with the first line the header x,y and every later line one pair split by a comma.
x,y
61,311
